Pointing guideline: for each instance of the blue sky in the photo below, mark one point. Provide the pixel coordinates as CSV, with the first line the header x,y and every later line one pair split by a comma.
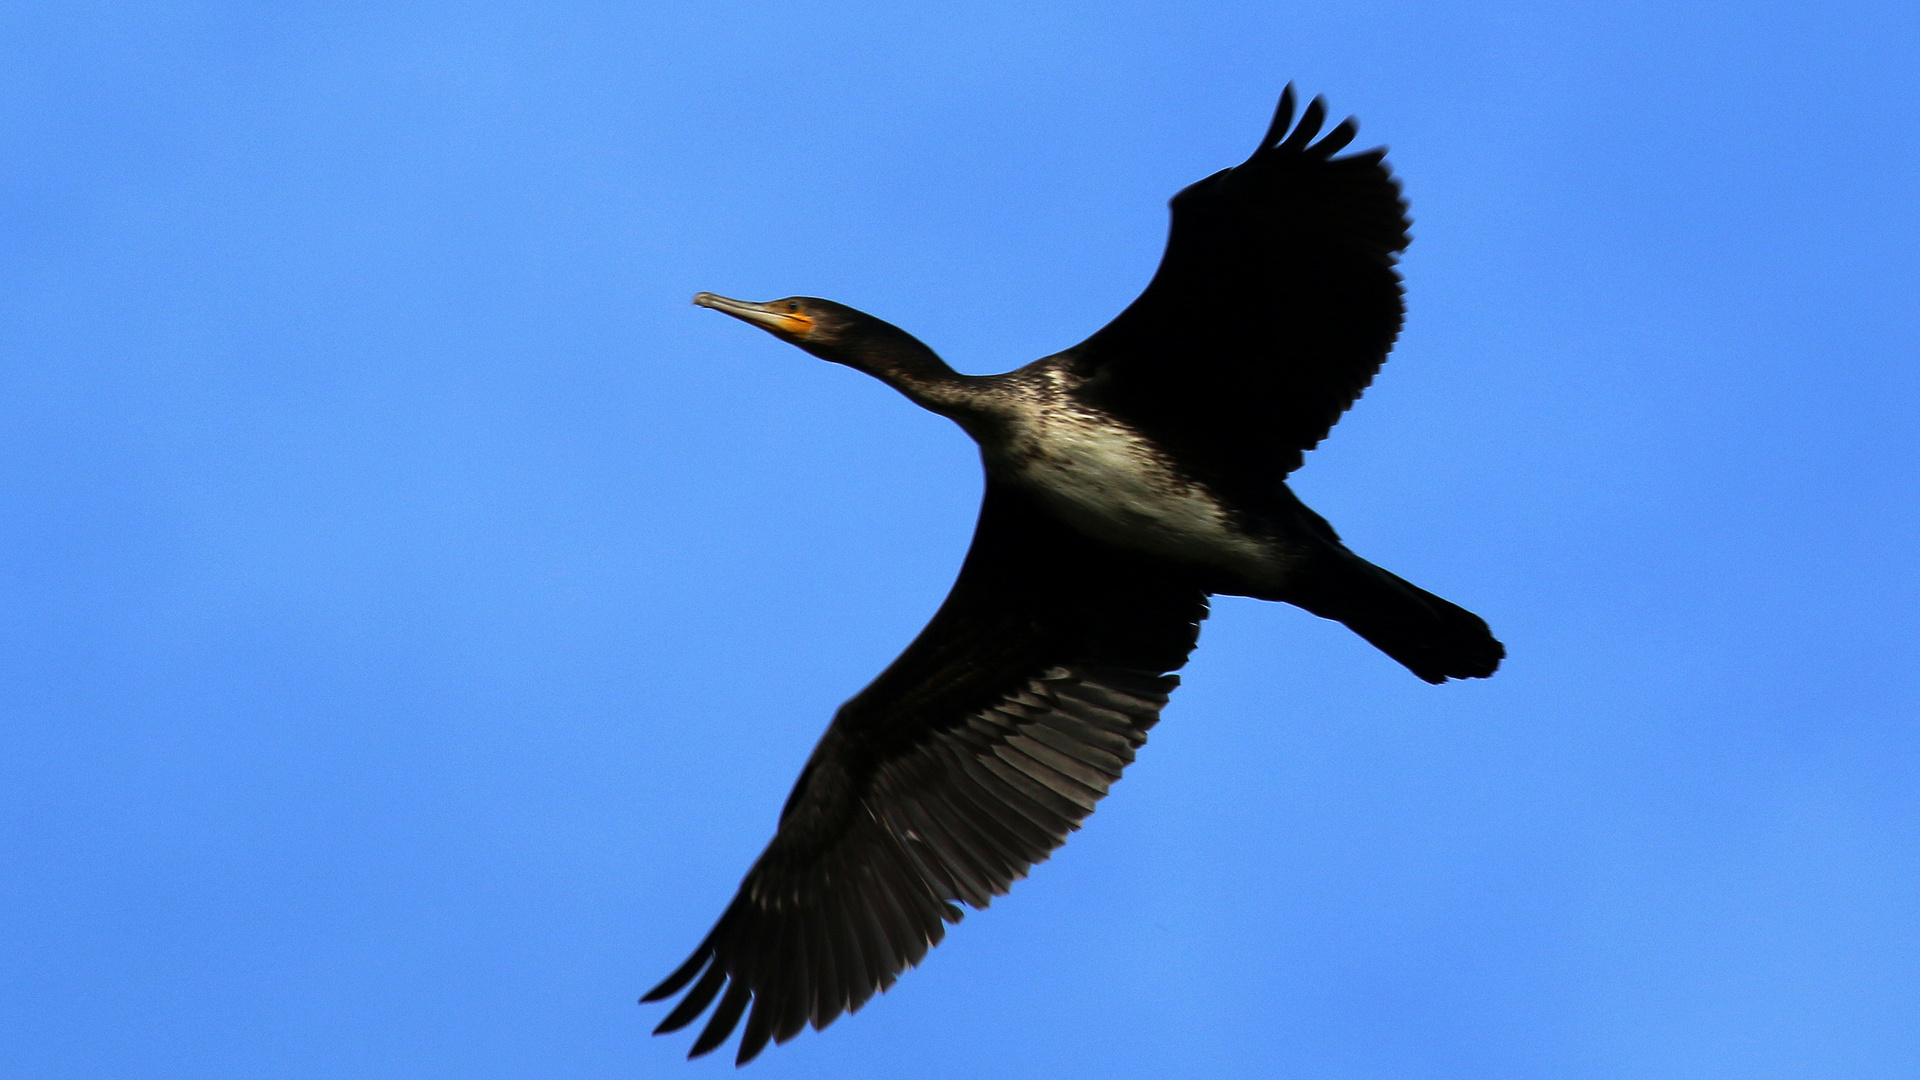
x,y
416,612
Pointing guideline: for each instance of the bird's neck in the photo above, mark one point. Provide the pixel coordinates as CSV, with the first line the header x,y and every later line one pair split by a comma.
x,y
903,362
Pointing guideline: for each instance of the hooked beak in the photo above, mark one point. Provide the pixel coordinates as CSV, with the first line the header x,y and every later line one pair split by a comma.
x,y
787,324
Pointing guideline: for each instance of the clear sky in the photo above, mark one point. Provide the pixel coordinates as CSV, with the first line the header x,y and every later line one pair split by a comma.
x,y
415,612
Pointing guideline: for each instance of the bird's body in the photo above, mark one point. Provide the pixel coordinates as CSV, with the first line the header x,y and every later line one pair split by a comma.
x,y
1127,479
1116,485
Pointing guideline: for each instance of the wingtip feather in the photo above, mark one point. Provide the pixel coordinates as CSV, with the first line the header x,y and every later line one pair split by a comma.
x,y
694,1003
683,974
1337,139
758,1031
1310,121
724,1020
1282,119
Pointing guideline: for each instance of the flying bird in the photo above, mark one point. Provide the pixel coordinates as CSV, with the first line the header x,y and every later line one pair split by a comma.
x,y
1127,479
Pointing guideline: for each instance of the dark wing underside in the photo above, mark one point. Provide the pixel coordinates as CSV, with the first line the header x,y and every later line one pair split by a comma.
x,y
1274,305
967,761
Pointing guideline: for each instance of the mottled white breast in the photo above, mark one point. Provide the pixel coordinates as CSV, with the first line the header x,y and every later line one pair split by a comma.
x,y
1109,482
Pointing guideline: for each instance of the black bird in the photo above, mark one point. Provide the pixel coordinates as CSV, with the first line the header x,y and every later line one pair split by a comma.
x,y
1127,478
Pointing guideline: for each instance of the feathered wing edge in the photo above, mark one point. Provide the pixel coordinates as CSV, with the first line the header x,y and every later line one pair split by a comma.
x,y
907,809
957,822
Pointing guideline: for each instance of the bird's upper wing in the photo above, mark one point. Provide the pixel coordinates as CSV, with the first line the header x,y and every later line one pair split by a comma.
x,y
967,761
1274,305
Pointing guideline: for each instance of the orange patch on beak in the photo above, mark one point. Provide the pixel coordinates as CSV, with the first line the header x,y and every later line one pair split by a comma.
x,y
795,326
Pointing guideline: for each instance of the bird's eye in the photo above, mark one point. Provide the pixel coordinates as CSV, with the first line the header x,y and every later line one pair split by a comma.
x,y
793,306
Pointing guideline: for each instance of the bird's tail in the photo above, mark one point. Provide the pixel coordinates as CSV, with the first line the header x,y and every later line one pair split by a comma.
x,y
1435,639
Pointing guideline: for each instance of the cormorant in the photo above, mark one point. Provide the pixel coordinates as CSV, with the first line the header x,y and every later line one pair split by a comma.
x,y
1127,478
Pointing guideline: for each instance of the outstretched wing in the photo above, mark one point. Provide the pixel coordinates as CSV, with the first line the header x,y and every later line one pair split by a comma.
x,y
1274,305
967,761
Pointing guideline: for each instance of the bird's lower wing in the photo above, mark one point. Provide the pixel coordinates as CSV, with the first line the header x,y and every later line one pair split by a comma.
x,y
967,761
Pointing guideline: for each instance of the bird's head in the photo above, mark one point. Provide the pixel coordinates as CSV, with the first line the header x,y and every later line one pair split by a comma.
x,y
843,335
821,327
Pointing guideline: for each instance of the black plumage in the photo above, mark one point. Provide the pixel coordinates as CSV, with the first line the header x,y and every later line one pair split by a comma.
x,y
1128,478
